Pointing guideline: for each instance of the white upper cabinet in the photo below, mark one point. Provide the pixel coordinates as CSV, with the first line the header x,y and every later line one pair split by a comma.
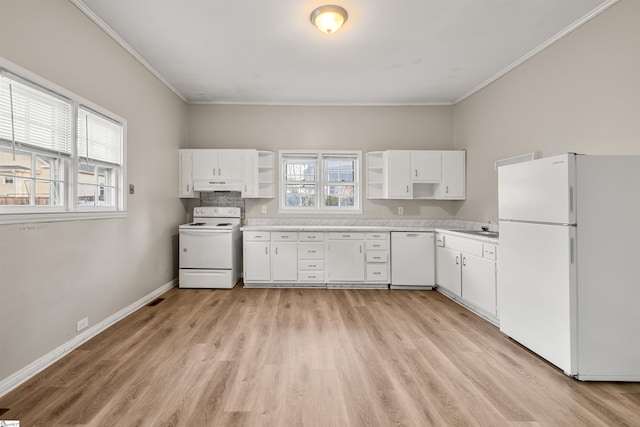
x,y
217,165
186,175
452,185
416,174
248,171
426,166
398,174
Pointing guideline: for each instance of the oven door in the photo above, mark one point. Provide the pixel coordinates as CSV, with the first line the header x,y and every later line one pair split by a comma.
x,y
205,249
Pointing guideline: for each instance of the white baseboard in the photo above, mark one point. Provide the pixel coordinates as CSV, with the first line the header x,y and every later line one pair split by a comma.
x,y
32,369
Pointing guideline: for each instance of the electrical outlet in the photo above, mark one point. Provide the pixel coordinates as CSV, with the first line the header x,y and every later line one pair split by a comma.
x,y
81,324
264,209
400,210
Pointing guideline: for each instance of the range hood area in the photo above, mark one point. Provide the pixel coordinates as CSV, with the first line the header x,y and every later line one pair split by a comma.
x,y
206,185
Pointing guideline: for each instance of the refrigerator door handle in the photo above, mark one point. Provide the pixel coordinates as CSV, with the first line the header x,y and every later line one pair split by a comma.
x,y
571,199
572,251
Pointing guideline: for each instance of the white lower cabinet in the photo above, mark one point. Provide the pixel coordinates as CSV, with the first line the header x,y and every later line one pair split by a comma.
x,y
449,270
257,257
466,271
270,258
479,282
311,259
345,257
284,257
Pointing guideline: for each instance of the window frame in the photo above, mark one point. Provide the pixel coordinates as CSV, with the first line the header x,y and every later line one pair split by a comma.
x,y
321,181
69,210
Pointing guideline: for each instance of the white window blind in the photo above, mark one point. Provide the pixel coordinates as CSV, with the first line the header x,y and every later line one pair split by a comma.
x,y
99,138
30,115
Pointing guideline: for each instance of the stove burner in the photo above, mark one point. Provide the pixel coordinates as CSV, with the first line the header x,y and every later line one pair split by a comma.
x,y
226,224
197,223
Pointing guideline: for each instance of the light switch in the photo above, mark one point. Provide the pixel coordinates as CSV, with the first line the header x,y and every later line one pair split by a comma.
x,y
132,189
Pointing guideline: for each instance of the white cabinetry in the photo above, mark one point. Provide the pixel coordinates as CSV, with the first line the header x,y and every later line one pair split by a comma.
x,y
345,258
426,166
257,256
398,174
377,258
453,176
311,258
412,260
270,258
466,271
186,175
284,256
217,165
416,174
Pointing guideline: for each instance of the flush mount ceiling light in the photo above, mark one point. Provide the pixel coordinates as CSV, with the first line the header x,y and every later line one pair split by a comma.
x,y
329,18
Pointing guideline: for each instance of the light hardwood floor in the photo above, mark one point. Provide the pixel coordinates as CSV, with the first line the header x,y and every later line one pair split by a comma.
x,y
308,357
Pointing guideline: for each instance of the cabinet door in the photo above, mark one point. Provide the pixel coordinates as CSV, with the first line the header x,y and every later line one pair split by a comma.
x,y
398,174
284,261
186,177
448,270
205,164
345,260
229,165
257,262
479,282
453,175
426,166
250,174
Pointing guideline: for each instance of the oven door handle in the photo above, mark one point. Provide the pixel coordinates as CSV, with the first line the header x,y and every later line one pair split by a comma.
x,y
196,232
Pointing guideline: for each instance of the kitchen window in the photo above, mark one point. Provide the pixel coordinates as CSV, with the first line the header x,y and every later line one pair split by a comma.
x,y
320,181
61,157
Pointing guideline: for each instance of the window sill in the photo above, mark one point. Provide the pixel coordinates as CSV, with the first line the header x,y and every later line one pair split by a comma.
x,y
27,218
320,211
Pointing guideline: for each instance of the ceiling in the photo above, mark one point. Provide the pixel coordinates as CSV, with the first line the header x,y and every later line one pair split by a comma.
x,y
389,52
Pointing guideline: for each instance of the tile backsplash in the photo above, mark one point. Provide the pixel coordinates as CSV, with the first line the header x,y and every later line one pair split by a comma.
x,y
223,199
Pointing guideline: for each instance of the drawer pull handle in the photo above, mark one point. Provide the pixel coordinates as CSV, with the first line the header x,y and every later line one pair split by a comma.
x,y
311,252
377,273
377,257
312,265
376,246
346,235
285,237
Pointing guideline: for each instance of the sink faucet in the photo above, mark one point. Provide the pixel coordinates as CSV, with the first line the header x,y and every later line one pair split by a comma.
x,y
484,228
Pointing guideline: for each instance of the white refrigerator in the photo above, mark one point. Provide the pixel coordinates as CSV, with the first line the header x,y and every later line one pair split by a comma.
x,y
569,262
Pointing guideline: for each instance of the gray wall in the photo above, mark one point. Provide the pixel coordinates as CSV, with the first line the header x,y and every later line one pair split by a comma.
x,y
581,94
54,274
349,128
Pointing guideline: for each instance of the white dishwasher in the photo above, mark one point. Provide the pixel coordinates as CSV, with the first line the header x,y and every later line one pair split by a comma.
x,y
412,260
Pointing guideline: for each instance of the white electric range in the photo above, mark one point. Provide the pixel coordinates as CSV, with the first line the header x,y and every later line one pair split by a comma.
x,y
211,249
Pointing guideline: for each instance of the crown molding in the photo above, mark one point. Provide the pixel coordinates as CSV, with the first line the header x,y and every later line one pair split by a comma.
x,y
538,49
107,29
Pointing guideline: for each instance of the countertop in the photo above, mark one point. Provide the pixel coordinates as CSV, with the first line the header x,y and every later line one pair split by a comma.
x,y
369,225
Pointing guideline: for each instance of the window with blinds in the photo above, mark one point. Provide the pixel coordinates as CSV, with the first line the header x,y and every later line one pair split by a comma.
x,y
48,163
320,181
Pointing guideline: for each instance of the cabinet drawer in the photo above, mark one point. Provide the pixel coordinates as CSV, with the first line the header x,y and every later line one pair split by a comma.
x,y
256,235
377,257
346,236
311,237
377,273
490,251
376,236
311,276
311,250
284,236
463,244
376,245
311,264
